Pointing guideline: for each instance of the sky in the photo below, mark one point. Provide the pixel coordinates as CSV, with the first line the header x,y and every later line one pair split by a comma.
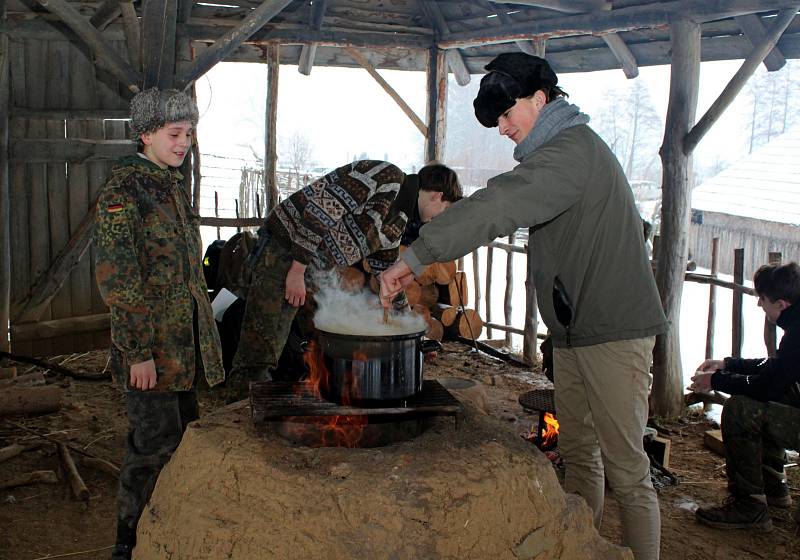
x,y
344,112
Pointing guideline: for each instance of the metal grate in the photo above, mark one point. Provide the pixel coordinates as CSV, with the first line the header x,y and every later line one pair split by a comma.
x,y
538,400
275,400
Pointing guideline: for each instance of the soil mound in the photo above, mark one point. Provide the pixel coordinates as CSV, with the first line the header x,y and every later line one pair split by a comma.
x,y
466,492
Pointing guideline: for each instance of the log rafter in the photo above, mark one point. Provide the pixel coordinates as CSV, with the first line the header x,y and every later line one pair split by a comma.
x,y
455,60
309,51
646,16
92,37
229,42
754,30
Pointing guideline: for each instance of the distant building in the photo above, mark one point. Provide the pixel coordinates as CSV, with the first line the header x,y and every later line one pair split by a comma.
x,y
753,204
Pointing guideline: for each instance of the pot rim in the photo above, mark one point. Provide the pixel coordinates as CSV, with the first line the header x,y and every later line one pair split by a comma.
x,y
372,338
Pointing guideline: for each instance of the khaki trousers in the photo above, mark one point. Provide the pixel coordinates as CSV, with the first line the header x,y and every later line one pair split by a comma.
x,y
601,403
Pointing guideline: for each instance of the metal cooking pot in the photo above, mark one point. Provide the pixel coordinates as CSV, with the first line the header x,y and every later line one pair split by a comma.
x,y
365,369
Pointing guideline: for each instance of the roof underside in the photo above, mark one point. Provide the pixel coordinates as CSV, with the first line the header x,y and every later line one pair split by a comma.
x,y
398,33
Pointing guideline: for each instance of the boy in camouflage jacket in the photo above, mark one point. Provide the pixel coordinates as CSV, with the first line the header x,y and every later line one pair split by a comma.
x,y
150,275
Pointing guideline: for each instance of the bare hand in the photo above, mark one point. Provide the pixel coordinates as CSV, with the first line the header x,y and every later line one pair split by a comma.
x,y
296,285
143,375
393,280
711,365
701,382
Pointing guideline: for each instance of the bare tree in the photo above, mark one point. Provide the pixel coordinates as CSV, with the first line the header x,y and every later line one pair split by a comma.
x,y
297,152
774,103
632,129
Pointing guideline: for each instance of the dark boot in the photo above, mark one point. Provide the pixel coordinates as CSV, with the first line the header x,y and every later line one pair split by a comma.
x,y
775,488
126,540
737,512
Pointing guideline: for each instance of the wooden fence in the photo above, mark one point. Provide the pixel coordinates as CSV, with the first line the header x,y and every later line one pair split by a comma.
x,y
530,333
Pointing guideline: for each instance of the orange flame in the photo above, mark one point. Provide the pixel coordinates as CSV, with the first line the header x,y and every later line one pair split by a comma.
x,y
550,430
331,431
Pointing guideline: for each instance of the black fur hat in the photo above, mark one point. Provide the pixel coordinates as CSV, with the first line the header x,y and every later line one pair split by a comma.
x,y
510,76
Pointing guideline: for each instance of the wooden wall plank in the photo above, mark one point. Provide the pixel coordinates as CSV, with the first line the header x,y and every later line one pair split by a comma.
x,y
18,195
36,67
57,196
82,95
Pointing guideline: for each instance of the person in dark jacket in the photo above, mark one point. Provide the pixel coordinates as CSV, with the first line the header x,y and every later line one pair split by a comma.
x,y
762,418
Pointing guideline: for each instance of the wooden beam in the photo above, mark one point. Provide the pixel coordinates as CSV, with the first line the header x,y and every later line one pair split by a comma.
x,y
365,64
184,10
667,397
437,105
105,14
645,16
229,42
271,130
97,44
455,59
60,327
622,53
754,30
309,51
159,26
567,6
323,37
48,284
5,189
528,47
71,150
738,81
133,41
69,114
230,222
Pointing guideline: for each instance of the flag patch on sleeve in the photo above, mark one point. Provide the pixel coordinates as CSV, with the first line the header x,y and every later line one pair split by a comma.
x,y
111,208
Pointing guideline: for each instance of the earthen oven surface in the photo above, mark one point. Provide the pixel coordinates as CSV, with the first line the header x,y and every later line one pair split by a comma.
x,y
43,521
476,492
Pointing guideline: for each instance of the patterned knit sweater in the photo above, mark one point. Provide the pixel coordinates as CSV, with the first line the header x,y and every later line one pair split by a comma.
x,y
358,211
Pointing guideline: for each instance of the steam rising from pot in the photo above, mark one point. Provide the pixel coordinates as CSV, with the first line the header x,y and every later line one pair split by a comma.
x,y
358,313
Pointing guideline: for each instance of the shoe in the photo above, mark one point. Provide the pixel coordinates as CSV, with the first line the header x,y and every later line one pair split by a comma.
x,y
122,552
778,495
126,540
737,512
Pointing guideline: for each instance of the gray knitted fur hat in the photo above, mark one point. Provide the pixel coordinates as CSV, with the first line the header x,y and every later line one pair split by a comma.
x,y
153,108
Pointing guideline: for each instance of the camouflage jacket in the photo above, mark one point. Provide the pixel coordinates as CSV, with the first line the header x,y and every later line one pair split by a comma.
x,y
149,272
358,211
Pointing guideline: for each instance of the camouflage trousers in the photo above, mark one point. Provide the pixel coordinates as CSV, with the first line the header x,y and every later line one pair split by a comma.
x,y
756,435
266,323
156,422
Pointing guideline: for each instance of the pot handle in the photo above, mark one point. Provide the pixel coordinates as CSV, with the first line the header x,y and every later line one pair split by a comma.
x,y
430,346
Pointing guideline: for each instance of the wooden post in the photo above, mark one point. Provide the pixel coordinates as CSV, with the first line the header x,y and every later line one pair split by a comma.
x,y
737,323
667,397
509,287
270,130
5,201
770,334
531,314
238,228
712,299
216,210
489,264
437,104
476,279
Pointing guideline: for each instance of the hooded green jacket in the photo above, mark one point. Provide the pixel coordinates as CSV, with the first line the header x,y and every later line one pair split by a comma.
x,y
592,277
